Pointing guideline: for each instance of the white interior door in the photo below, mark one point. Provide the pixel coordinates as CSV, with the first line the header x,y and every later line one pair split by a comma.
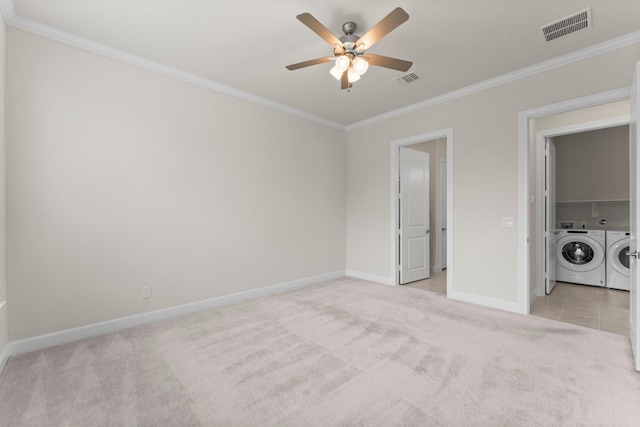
x,y
443,213
414,215
550,234
634,203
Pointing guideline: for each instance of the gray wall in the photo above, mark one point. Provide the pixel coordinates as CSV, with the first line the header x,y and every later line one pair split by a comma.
x,y
4,323
485,173
119,177
593,166
616,214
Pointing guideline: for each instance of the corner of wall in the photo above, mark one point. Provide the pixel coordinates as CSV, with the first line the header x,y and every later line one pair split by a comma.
x,y
4,324
4,344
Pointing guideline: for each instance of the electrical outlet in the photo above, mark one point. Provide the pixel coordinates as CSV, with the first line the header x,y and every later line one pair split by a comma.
x,y
508,221
318,262
146,292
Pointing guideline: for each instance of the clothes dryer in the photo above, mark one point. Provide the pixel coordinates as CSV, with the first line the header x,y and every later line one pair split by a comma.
x,y
581,257
618,276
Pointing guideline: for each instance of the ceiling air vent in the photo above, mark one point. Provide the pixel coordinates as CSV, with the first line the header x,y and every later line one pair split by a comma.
x,y
565,26
407,79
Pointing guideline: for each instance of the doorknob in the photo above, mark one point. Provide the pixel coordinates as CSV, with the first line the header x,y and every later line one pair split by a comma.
x,y
427,232
633,254
444,229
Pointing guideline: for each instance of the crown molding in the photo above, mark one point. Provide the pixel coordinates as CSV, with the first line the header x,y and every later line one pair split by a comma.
x,y
578,55
53,33
22,23
8,12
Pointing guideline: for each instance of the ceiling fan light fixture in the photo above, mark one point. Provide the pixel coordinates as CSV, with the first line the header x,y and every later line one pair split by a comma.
x,y
336,72
349,50
343,62
360,65
353,75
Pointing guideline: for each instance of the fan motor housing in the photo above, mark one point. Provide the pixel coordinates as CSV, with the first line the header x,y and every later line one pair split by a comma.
x,y
349,39
349,27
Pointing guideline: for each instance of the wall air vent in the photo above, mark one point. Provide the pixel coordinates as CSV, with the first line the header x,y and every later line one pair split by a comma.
x,y
565,26
407,79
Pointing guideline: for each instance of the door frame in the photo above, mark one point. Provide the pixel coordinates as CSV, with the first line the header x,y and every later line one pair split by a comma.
x,y
443,211
394,180
524,178
541,136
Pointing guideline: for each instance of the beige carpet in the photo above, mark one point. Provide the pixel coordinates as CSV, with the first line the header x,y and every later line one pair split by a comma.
x,y
346,352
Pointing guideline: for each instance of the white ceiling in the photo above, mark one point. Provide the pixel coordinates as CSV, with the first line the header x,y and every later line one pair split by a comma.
x,y
245,44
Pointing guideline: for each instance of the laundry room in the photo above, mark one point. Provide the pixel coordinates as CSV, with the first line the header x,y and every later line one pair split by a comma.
x,y
587,174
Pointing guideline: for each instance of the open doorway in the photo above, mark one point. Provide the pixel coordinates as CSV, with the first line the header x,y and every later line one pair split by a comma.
x,y
584,203
577,112
588,118
437,146
528,245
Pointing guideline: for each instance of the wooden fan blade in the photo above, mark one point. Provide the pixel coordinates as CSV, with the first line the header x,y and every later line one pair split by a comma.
x,y
315,26
388,62
382,28
310,62
344,81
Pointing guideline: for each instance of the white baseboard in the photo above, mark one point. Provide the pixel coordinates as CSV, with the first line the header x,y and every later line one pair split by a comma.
x,y
532,296
96,329
485,301
4,358
4,352
370,277
633,332
436,269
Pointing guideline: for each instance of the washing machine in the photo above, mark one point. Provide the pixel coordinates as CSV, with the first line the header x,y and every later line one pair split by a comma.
x,y
617,260
581,257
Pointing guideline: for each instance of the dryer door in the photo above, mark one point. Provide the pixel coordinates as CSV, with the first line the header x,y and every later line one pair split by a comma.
x,y
618,258
579,253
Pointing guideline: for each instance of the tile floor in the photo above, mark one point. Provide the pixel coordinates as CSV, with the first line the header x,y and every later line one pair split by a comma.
x,y
436,283
589,306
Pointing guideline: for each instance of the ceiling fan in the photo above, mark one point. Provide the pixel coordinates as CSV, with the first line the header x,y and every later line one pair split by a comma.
x,y
351,60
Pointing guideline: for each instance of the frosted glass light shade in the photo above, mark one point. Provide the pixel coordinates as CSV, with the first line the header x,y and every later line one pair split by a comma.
x,y
343,62
353,75
361,65
336,72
